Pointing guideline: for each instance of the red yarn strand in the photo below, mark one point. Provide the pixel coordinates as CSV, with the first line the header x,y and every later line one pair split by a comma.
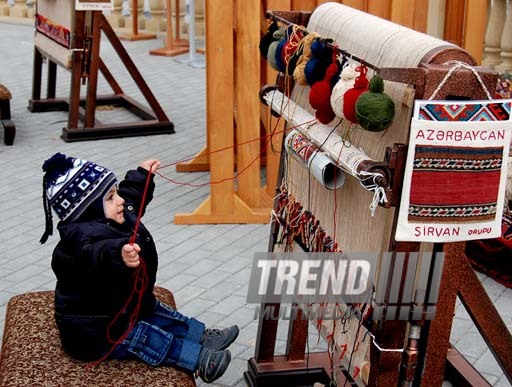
x,y
140,283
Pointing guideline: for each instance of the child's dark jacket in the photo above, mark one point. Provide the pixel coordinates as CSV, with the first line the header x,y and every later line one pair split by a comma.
x,y
93,283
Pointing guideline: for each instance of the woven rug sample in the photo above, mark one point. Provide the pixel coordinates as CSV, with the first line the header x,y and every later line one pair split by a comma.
x,y
455,176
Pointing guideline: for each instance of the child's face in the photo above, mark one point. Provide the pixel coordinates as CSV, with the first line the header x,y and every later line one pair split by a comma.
x,y
114,206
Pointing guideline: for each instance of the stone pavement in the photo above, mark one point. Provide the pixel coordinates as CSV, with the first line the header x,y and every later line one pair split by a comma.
x,y
206,266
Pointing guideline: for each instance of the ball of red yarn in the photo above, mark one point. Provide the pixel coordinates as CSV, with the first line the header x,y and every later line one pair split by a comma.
x,y
351,95
320,96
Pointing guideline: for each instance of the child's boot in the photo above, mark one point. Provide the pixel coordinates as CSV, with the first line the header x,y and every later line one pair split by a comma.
x,y
212,364
219,338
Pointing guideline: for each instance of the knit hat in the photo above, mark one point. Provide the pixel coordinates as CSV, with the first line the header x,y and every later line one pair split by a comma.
x,y
71,186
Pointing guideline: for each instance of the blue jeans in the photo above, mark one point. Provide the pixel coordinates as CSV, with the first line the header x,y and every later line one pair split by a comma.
x,y
166,337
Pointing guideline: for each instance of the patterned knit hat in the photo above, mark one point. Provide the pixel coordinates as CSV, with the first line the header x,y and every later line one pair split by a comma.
x,y
70,186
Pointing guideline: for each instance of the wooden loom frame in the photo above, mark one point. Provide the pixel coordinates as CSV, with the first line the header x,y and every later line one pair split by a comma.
x,y
458,279
250,203
86,62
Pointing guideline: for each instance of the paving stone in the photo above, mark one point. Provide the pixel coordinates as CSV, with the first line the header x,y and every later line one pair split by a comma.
x,y
472,345
488,363
187,293
503,382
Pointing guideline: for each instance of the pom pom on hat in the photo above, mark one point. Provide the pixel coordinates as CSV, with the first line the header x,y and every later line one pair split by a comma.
x,y
374,109
350,97
70,186
320,96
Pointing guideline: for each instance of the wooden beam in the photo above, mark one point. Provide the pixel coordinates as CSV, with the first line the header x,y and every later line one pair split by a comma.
x,y
247,102
380,8
302,5
454,21
402,12
476,24
420,15
357,4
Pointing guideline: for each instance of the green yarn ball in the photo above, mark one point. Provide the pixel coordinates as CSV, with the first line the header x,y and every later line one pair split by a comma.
x,y
374,109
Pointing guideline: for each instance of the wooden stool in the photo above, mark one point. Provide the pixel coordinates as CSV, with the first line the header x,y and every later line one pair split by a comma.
x,y
5,115
32,355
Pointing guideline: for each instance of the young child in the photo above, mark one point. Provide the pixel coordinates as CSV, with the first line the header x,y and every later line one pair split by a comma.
x,y
105,281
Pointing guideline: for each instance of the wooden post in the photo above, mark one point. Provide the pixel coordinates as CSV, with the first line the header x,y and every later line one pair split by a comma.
x,y
172,47
223,205
412,14
380,8
357,4
454,21
248,106
269,122
300,5
135,35
474,31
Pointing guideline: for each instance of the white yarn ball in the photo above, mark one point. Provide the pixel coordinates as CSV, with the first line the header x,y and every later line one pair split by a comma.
x,y
346,82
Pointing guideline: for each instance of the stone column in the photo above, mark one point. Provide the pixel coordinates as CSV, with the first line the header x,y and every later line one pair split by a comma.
x,y
493,34
157,21
19,9
116,18
506,43
31,8
4,8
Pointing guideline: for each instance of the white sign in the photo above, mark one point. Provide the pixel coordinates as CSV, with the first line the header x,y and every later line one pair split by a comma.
x,y
455,175
94,5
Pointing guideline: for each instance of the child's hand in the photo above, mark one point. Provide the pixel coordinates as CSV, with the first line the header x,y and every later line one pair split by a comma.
x,y
150,165
130,254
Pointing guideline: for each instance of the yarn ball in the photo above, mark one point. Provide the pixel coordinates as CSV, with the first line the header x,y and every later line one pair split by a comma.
x,y
320,96
321,58
292,62
298,73
281,66
292,44
315,70
271,55
374,109
351,95
267,38
345,82
317,47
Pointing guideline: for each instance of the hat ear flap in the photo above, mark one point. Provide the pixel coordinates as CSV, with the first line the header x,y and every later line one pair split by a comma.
x,y
48,231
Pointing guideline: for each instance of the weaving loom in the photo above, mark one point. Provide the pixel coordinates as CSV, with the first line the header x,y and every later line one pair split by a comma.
x,y
71,38
413,66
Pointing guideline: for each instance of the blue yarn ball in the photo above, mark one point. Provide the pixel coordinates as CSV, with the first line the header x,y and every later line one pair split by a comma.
x,y
317,47
315,70
281,66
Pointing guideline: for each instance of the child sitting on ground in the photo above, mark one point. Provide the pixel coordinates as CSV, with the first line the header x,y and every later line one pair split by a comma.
x,y
104,302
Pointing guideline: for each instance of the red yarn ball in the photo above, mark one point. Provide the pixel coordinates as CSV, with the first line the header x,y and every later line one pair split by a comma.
x,y
320,96
351,95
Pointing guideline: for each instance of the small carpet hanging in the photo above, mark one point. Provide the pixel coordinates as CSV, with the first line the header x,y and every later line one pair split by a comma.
x,y
455,175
